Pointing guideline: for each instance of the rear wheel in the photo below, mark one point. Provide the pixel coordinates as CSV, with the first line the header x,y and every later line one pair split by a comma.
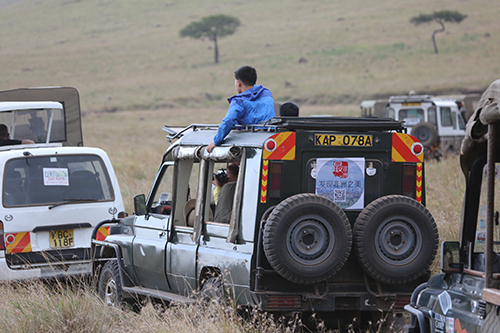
x,y
213,292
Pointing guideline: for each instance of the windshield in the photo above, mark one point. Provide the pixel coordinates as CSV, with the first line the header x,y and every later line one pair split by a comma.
x,y
45,180
411,116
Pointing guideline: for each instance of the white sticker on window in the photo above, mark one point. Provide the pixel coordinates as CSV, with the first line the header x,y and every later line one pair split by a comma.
x,y
342,180
55,177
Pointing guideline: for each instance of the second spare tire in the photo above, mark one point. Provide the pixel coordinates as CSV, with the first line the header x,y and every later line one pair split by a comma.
x,y
396,239
307,238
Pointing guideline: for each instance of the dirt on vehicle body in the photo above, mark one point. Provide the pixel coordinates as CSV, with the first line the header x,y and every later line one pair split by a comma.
x,y
327,216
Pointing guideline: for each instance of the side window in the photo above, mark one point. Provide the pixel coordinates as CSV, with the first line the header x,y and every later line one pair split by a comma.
x,y
461,122
391,113
186,191
431,115
446,119
162,200
224,177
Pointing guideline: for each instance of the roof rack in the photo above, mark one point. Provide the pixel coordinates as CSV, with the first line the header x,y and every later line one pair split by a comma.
x,y
325,123
174,135
338,123
411,98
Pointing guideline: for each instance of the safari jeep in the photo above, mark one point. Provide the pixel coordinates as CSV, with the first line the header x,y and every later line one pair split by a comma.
x,y
465,297
435,121
52,192
327,217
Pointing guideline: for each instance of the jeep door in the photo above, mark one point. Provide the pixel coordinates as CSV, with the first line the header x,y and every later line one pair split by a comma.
x,y
226,245
152,232
182,249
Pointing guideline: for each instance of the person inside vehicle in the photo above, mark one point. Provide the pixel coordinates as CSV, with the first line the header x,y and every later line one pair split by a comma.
x,y
289,109
5,138
224,204
251,105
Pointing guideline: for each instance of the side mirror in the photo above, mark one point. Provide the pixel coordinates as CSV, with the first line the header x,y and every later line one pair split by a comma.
x,y
140,204
450,258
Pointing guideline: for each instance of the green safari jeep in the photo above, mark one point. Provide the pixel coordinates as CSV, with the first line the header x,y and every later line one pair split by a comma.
x,y
327,217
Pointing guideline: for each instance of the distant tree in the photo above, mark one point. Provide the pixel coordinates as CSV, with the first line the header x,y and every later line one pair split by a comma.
x,y
212,27
439,17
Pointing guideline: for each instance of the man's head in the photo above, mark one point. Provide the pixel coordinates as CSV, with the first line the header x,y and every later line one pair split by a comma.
x,y
245,77
232,172
289,109
4,132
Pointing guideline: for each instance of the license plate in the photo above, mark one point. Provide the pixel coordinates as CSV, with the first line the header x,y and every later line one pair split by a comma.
x,y
61,239
343,140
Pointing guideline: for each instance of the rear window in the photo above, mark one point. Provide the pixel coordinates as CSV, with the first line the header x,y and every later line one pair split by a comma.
x,y
53,179
34,125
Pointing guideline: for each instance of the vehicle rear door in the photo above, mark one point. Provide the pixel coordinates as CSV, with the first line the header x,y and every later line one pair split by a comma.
x,y
50,204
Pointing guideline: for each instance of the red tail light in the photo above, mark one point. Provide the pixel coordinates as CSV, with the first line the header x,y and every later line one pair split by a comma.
x,y
2,240
275,179
409,180
284,302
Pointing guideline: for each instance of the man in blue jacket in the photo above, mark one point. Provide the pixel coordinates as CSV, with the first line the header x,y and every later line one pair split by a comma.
x,y
253,104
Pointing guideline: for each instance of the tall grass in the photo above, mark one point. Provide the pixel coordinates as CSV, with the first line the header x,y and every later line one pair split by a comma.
x,y
69,308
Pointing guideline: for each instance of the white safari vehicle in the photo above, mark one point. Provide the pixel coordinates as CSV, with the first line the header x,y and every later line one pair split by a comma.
x,y
53,192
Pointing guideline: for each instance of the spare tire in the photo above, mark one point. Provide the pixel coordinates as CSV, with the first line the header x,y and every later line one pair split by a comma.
x,y
307,238
426,133
396,239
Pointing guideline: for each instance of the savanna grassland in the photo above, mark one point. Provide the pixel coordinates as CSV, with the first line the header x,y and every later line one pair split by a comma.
x,y
134,74
128,55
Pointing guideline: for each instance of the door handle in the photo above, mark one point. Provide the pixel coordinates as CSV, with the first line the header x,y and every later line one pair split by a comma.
x,y
161,233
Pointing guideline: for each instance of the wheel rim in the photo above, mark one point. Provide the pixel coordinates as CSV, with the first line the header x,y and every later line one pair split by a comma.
x,y
423,134
110,292
311,239
398,240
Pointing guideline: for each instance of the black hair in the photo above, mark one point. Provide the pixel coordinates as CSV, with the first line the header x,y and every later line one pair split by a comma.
x,y
247,75
289,109
234,169
4,131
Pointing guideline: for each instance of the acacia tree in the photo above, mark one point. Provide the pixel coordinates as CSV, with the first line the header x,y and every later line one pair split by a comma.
x,y
212,27
438,17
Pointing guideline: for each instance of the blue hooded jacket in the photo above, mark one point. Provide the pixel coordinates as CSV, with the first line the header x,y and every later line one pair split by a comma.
x,y
249,107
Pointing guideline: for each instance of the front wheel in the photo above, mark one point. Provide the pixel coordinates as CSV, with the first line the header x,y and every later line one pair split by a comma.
x,y
110,288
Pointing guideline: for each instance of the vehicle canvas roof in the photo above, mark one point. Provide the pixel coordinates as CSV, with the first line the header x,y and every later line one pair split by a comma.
x,y
68,97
